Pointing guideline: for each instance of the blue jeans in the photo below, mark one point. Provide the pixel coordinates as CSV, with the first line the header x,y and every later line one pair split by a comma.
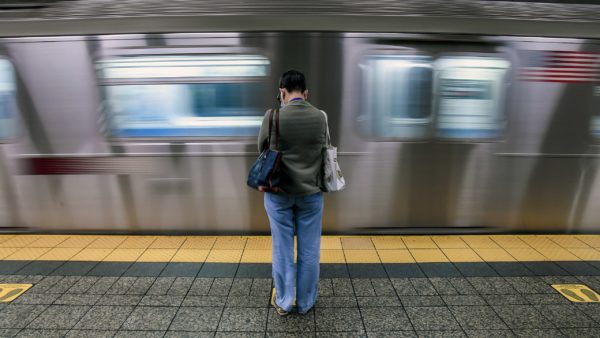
x,y
305,213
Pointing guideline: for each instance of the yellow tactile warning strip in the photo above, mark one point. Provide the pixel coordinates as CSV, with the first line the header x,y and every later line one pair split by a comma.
x,y
334,249
578,293
8,292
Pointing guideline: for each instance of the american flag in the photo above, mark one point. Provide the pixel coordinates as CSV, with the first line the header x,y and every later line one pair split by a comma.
x,y
560,66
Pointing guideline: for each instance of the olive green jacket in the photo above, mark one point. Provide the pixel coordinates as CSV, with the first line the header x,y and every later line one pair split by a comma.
x,y
302,132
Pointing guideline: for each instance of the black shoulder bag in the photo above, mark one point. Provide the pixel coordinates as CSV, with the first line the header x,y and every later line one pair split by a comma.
x,y
265,174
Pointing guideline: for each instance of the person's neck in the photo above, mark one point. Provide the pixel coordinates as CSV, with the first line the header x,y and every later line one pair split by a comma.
x,y
295,97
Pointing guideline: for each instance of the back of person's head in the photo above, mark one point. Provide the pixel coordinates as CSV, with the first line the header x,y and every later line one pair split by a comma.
x,y
293,81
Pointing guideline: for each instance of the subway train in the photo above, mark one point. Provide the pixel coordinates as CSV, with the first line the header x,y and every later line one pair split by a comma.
x,y
450,121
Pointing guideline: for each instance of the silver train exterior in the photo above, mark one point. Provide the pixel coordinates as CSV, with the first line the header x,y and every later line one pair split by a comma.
x,y
436,132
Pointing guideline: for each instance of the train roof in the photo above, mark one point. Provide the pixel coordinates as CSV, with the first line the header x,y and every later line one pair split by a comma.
x,y
83,17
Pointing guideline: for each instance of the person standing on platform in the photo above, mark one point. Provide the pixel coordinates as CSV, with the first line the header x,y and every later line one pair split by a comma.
x,y
298,206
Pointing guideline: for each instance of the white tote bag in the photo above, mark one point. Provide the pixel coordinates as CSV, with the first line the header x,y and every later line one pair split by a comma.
x,y
332,174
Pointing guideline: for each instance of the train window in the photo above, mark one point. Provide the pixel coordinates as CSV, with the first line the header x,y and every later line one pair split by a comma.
x,y
7,100
596,114
397,101
470,93
184,96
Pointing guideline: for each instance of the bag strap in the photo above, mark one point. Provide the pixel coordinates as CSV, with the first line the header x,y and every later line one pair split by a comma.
x,y
276,129
270,127
328,138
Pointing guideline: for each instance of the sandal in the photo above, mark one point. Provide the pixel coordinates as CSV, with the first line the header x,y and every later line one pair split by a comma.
x,y
280,311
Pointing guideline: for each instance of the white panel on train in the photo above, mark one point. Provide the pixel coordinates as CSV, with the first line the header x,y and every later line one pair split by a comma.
x,y
470,92
184,96
7,101
397,103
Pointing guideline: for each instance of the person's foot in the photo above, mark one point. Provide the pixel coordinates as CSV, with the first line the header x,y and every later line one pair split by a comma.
x,y
280,311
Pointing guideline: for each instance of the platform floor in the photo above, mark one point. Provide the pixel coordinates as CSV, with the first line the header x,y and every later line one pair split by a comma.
x,y
371,286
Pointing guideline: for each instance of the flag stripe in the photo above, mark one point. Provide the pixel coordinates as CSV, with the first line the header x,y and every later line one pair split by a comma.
x,y
561,66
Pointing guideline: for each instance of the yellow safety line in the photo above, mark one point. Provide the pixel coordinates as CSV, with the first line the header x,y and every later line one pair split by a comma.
x,y
334,249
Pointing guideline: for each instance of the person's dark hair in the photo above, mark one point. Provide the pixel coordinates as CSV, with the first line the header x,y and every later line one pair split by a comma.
x,y
293,81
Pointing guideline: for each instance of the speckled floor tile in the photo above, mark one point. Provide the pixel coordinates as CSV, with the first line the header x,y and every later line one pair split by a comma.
x,y
390,300
185,334
403,286
121,286
140,286
546,298
338,319
239,335
443,286
104,318
538,333
180,286
261,287
64,285
582,332
462,286
392,334
243,319
385,319
241,287
247,301
161,300
220,287
83,284
196,319
212,301
200,287
363,287
489,333
336,302
32,333
506,299
383,287
441,334
59,317
529,285
325,287
102,285
590,309
119,300
161,286
492,286
522,317
423,286
36,298
76,299
291,323
19,316
342,287
150,318
140,334
458,300
431,318
422,301
477,317
8,332
566,316
349,334
90,334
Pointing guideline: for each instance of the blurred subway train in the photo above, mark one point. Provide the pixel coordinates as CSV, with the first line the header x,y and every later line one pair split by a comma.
x,y
444,122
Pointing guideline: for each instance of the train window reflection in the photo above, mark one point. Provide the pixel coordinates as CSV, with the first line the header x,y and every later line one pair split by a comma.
x,y
470,93
184,96
7,100
397,102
